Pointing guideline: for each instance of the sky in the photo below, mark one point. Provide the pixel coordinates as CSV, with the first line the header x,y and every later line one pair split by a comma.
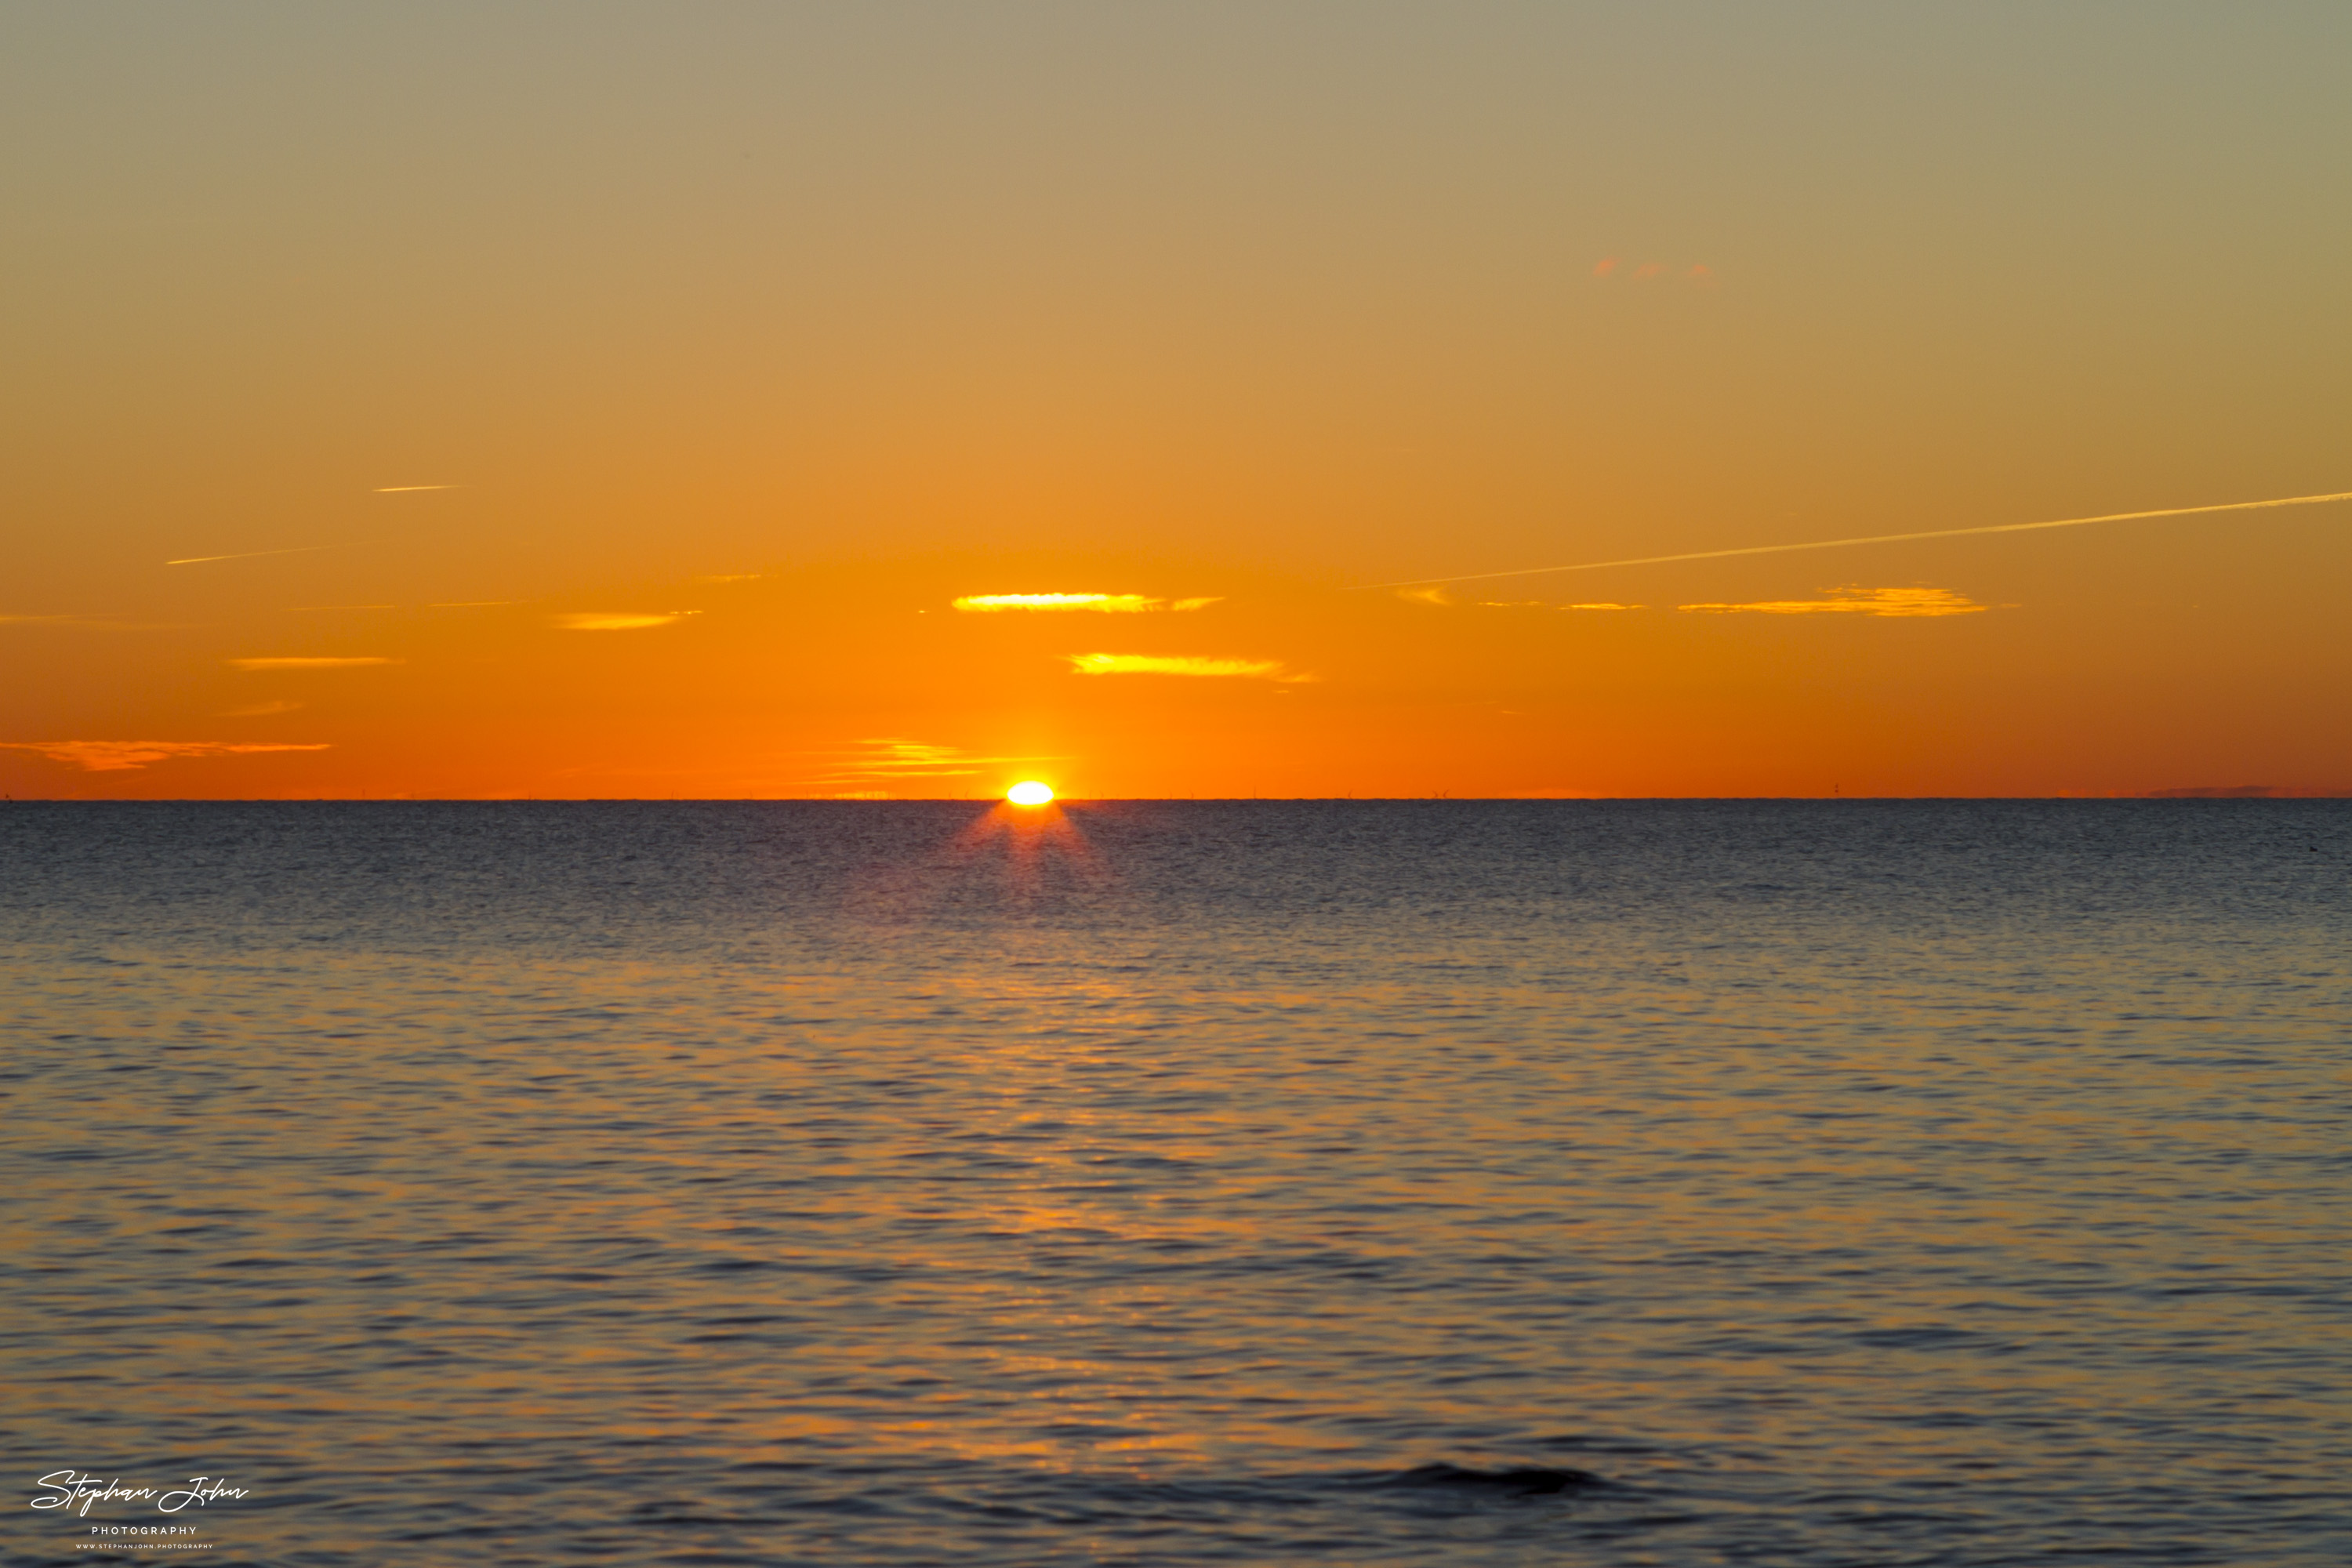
x,y
644,400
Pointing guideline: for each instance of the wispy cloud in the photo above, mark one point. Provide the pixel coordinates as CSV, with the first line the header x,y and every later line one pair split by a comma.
x,y
886,758
306,663
889,753
1854,600
1874,539
397,490
258,710
1111,603
251,555
1153,664
1446,601
119,756
619,620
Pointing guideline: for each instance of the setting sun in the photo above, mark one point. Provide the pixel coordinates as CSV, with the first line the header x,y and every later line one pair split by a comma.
x,y
1029,793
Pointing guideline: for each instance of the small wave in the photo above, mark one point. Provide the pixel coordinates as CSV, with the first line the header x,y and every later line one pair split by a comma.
x,y
1520,1480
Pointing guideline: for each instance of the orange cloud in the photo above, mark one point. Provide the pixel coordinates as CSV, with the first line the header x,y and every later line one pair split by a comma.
x,y
1442,600
309,663
117,756
1112,604
1649,269
890,757
1604,267
1857,601
1153,664
618,620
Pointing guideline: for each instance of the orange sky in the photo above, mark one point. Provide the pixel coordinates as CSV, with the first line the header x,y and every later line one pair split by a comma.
x,y
743,341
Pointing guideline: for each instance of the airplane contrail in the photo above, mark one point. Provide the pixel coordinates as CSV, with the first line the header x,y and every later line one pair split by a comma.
x,y
1874,538
250,554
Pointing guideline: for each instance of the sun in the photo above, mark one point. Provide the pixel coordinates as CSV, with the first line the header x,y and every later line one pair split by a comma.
x,y
1029,792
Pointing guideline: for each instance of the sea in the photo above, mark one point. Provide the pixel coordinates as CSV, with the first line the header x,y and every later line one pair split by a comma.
x,y
1833,1184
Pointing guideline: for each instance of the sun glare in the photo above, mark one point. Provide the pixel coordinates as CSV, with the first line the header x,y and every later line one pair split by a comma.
x,y
1029,793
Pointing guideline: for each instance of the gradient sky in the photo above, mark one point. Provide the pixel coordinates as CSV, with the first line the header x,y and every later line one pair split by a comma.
x,y
743,340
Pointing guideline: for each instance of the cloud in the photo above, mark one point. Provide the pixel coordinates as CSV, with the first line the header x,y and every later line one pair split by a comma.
x,y
251,555
117,756
889,757
309,663
396,489
1152,664
1649,269
618,620
891,753
1604,267
1871,538
1110,604
1444,600
1856,601
260,711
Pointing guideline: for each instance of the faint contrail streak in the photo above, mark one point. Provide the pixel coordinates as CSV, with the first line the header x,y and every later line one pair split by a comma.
x,y
396,489
1874,538
250,554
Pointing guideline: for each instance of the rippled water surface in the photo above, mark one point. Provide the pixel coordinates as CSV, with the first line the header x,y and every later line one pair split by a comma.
x,y
1188,1183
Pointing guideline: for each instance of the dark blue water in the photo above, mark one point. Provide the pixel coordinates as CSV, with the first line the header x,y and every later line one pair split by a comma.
x,y
1860,1184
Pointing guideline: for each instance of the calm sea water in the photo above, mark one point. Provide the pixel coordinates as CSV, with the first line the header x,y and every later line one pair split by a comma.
x,y
1818,1183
